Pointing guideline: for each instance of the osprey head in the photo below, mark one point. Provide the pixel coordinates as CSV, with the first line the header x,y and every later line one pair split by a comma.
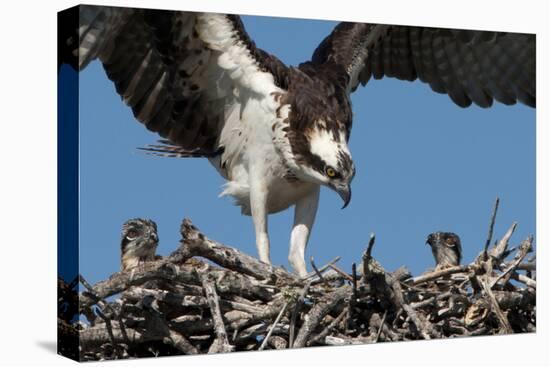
x,y
321,156
139,242
313,134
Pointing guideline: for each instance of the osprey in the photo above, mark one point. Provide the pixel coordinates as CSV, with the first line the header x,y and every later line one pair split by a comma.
x,y
138,243
278,133
446,248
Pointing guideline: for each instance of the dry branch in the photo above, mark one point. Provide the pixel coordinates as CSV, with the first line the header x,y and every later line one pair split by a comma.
x,y
221,344
491,228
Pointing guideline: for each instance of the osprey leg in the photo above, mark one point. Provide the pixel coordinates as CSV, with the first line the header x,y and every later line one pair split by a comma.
x,y
304,216
258,208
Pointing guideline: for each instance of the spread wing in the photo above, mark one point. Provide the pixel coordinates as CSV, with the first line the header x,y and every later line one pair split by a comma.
x,y
469,66
181,73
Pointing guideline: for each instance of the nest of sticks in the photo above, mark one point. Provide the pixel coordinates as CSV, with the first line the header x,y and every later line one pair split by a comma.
x,y
210,298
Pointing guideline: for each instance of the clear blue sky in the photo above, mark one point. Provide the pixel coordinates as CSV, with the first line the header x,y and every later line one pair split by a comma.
x,y
423,165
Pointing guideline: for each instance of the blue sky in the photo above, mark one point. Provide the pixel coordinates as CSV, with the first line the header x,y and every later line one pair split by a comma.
x,y
423,165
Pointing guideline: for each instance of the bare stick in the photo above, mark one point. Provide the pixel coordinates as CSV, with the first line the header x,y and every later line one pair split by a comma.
x,y
341,272
499,251
367,256
524,266
109,328
371,244
525,280
318,272
491,227
100,313
295,313
264,342
98,335
381,326
268,312
354,281
228,257
179,342
221,344
524,249
438,274
495,307
323,268
431,300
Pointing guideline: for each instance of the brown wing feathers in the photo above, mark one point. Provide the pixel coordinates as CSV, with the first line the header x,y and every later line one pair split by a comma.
x,y
469,66
157,63
164,71
96,28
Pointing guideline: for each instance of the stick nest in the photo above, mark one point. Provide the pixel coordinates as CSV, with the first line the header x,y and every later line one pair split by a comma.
x,y
210,298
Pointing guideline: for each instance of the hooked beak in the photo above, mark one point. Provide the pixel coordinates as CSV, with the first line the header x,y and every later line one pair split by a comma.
x,y
345,193
429,240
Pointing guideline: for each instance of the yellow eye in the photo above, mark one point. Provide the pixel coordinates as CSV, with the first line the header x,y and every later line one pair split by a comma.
x,y
330,172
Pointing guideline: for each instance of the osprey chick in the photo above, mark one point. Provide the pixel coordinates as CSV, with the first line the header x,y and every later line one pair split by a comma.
x,y
139,242
446,249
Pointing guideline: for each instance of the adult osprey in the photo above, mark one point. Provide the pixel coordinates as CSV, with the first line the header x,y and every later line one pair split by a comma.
x,y
277,133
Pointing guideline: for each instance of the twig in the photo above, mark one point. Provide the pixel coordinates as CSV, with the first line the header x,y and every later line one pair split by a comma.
x,y
524,249
267,312
371,244
381,326
109,328
295,313
341,272
525,280
353,299
499,251
264,342
89,287
491,227
354,281
179,342
100,313
438,274
431,300
495,307
323,268
221,344
98,335
523,266
367,256
318,272
228,257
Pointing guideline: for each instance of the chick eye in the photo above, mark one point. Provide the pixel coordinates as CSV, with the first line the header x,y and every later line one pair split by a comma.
x,y
132,234
330,172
